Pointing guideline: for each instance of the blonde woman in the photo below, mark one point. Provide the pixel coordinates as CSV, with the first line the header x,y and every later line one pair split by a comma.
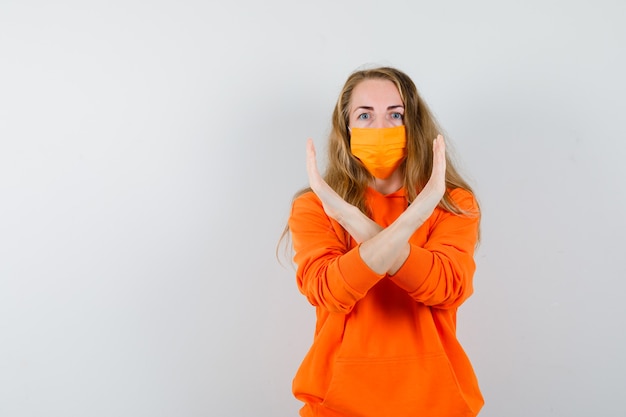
x,y
384,245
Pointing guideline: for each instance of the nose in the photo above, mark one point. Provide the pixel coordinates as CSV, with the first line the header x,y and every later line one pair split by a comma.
x,y
381,122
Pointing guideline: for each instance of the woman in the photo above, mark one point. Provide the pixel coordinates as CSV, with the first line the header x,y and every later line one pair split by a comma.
x,y
384,247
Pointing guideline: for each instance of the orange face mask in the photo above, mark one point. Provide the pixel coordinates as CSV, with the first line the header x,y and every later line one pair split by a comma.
x,y
381,150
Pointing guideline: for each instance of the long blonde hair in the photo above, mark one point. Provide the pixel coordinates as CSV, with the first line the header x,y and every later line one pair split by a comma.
x,y
347,175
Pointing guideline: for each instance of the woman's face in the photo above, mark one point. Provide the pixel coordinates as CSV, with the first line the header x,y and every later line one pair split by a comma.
x,y
376,103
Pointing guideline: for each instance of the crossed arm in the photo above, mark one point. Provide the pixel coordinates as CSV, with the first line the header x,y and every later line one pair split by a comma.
x,y
382,250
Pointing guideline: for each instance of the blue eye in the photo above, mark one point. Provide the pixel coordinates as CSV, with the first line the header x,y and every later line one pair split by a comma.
x,y
397,116
364,116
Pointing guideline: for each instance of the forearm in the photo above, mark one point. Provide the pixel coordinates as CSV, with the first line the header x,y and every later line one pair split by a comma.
x,y
330,273
440,267
437,276
387,250
357,224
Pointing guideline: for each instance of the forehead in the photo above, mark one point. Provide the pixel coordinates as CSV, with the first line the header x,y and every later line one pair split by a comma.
x,y
375,91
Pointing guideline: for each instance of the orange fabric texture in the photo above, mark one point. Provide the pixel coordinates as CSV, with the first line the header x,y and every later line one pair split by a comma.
x,y
381,150
385,345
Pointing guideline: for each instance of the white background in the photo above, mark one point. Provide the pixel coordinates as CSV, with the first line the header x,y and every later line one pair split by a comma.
x,y
149,152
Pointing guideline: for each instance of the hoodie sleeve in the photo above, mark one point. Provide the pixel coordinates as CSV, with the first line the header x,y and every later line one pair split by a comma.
x,y
440,272
330,271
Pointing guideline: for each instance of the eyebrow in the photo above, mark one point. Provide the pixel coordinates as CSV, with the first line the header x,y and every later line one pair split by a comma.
x,y
397,106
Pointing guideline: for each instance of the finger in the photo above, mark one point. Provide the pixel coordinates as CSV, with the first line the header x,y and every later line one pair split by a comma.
x,y
439,143
311,160
310,146
439,158
310,153
439,148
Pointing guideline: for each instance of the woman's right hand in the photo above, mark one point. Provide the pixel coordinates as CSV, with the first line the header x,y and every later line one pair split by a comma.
x,y
333,204
357,224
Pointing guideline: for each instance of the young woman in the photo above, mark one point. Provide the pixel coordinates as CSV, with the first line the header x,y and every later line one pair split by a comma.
x,y
384,246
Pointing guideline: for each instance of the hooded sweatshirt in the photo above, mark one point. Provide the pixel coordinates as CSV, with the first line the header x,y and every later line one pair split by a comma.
x,y
386,345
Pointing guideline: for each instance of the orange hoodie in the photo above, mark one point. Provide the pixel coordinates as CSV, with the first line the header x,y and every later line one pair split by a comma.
x,y
386,345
